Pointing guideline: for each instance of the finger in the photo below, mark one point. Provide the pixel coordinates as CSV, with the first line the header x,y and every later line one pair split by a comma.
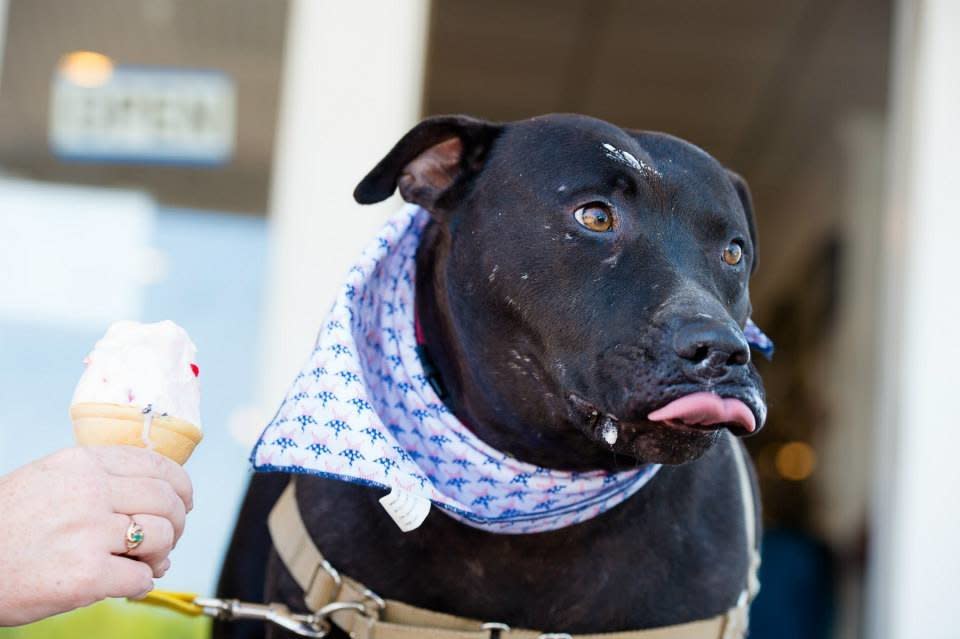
x,y
129,461
157,536
147,496
162,568
127,577
158,564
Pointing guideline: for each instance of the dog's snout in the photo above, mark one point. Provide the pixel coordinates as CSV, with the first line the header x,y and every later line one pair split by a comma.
x,y
711,349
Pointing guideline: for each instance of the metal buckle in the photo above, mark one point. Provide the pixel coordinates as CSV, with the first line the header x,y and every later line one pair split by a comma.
x,y
330,570
496,629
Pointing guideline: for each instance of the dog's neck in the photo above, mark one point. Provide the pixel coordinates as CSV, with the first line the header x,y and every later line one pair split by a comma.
x,y
488,414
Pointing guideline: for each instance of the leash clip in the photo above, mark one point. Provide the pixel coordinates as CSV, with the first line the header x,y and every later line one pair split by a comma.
x,y
304,625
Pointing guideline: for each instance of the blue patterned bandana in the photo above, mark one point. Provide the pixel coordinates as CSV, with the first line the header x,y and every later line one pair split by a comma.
x,y
758,339
363,411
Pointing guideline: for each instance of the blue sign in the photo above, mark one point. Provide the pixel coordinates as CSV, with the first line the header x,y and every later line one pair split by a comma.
x,y
134,114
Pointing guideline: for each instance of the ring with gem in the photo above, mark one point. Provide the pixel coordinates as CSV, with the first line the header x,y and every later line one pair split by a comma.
x,y
135,535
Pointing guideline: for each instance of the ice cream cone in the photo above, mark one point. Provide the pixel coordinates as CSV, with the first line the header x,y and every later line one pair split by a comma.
x,y
102,424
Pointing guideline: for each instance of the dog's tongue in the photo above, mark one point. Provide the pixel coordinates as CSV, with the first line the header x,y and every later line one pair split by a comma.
x,y
705,409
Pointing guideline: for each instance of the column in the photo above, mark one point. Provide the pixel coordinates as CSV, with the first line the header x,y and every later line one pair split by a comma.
x,y
352,86
916,508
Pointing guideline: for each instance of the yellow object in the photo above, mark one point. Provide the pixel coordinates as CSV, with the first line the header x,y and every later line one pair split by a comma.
x,y
114,619
182,602
109,424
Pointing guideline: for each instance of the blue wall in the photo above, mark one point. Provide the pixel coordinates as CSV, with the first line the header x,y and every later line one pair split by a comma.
x,y
213,288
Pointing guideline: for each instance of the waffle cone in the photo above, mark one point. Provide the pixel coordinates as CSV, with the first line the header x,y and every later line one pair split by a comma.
x,y
113,424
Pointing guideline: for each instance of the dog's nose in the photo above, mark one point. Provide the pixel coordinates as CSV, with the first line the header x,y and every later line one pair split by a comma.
x,y
712,349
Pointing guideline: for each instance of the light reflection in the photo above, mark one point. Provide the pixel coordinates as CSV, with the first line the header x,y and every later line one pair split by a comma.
x,y
87,69
795,461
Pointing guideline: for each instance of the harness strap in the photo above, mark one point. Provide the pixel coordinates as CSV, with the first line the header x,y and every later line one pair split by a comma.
x,y
364,615
749,515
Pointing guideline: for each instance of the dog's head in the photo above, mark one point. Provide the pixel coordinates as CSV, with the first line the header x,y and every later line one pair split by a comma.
x,y
591,280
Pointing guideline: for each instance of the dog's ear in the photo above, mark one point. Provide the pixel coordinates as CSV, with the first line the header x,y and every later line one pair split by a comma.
x,y
432,161
743,192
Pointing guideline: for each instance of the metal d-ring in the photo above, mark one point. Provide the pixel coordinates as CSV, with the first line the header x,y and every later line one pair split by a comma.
x,y
369,595
331,608
497,629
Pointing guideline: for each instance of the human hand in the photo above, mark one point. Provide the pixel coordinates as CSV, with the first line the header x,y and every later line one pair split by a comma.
x,y
63,526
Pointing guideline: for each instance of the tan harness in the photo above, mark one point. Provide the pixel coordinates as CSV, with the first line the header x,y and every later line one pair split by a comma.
x,y
336,598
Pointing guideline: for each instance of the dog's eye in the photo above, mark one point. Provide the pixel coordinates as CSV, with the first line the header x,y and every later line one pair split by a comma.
x,y
733,253
595,216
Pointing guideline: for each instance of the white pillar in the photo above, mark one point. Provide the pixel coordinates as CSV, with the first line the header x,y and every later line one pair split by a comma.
x,y
916,528
352,85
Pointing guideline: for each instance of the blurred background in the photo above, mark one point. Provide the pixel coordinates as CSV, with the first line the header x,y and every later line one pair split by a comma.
x,y
194,160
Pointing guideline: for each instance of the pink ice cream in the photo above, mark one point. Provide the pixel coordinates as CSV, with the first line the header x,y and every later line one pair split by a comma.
x,y
144,365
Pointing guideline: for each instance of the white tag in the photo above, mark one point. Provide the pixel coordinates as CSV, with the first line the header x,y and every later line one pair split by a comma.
x,y
406,509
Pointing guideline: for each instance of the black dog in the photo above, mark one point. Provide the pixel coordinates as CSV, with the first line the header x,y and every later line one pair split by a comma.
x,y
574,274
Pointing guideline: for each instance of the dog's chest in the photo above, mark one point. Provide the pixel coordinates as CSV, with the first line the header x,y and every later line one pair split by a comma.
x,y
674,552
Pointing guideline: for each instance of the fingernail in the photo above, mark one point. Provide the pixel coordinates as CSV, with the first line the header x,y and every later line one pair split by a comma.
x,y
161,570
144,593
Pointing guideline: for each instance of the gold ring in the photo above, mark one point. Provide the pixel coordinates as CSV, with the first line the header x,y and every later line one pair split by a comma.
x,y
134,536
